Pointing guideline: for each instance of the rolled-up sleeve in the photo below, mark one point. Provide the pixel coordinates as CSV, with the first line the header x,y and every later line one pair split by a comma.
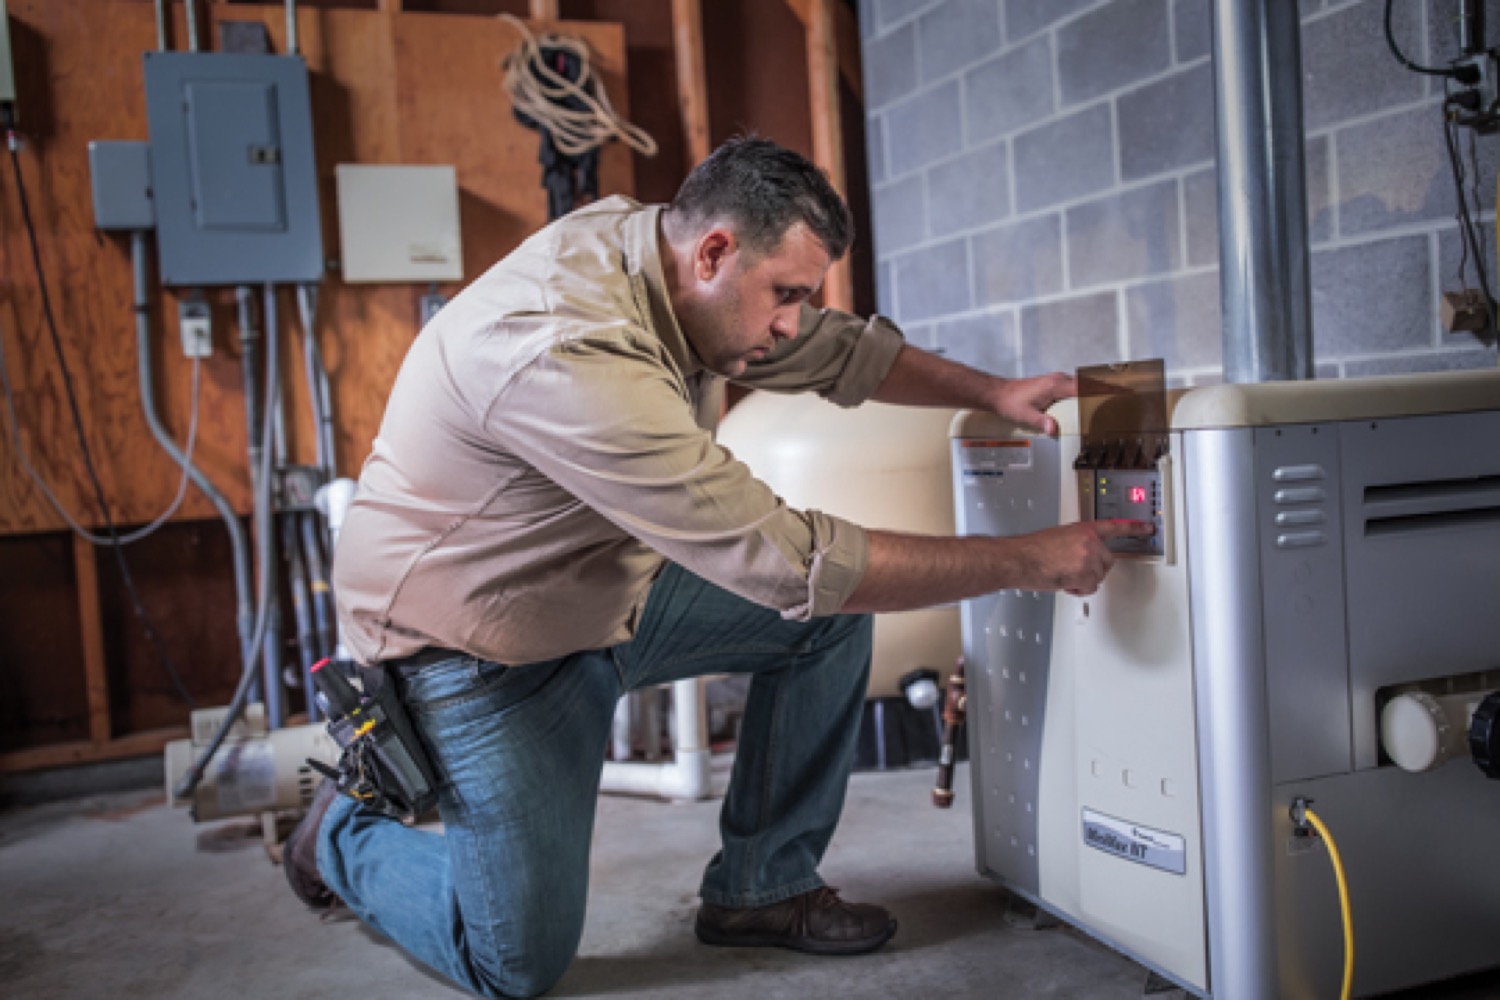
x,y
608,422
841,357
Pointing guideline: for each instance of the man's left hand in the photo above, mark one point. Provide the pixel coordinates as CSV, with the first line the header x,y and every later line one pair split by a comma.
x,y
1025,400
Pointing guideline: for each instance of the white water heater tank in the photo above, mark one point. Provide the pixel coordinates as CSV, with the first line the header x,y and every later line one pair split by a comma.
x,y
879,466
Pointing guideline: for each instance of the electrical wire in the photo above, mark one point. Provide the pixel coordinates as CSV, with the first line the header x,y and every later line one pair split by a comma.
x,y
1480,245
1343,883
538,91
1469,241
52,498
165,658
261,477
1463,74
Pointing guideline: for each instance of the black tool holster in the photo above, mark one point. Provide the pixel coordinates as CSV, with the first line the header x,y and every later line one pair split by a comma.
x,y
384,765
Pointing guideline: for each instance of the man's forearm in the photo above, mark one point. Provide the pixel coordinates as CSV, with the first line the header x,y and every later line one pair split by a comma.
x,y
916,571
921,378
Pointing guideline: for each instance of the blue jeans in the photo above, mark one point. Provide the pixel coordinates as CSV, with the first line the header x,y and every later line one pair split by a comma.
x,y
497,903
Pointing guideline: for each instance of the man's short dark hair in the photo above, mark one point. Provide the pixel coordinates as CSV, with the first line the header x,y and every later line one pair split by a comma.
x,y
762,190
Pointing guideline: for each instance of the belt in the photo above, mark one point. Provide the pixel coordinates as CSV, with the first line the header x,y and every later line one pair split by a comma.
x,y
407,666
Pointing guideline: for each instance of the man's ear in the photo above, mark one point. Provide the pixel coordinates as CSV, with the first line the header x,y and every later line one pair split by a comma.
x,y
713,251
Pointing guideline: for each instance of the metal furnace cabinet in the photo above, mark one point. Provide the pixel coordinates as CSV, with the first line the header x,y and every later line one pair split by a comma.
x,y
1323,548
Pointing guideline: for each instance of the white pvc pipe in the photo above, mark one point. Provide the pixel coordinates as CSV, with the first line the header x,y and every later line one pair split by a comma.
x,y
619,730
687,776
333,500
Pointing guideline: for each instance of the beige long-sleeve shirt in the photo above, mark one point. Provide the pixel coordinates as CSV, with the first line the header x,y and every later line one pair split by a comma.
x,y
548,444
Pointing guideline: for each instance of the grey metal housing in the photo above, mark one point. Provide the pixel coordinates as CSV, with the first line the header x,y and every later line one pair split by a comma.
x,y
1342,545
232,169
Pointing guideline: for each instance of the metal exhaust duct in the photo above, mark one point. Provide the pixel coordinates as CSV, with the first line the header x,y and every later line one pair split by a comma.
x,y
1263,256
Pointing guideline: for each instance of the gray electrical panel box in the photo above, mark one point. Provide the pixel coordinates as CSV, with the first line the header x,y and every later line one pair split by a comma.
x,y
120,175
232,169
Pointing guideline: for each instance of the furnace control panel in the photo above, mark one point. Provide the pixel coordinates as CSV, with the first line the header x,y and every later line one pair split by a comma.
x,y
1132,495
1125,450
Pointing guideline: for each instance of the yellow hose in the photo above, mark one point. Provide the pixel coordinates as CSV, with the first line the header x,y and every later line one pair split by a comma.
x,y
1338,873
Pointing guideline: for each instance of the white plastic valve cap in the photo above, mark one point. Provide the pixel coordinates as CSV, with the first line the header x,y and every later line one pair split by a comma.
x,y
333,500
1414,729
922,694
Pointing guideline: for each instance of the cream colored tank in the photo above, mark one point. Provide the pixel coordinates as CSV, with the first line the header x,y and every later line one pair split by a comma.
x,y
878,466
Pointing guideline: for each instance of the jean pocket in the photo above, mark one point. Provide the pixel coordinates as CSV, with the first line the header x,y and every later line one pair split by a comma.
x,y
452,682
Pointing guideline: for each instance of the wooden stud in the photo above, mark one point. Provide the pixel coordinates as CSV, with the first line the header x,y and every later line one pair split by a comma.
x,y
827,134
91,629
544,10
63,754
846,29
692,78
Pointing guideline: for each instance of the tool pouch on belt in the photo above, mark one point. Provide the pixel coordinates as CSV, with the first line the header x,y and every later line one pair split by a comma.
x,y
383,765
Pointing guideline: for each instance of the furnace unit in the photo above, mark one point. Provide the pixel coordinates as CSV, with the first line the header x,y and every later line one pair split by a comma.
x,y
1324,550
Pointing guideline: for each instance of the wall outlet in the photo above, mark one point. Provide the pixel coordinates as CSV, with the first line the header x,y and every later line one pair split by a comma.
x,y
196,324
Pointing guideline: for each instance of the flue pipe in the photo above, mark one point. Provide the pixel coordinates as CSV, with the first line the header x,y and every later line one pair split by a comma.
x,y
1263,256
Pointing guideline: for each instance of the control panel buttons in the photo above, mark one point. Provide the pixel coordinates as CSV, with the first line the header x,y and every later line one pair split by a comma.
x,y
1131,495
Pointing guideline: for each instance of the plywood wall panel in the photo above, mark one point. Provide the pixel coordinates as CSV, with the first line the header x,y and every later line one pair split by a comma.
x,y
190,603
463,116
43,698
79,71
655,102
386,88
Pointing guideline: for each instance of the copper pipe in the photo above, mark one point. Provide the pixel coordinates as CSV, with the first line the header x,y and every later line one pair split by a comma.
x,y
955,704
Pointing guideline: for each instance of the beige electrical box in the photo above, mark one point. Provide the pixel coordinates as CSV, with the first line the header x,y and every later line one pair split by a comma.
x,y
399,223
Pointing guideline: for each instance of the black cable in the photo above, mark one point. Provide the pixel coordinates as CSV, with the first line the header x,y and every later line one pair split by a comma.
x,y
1471,243
164,657
1463,259
1458,177
1482,245
1463,74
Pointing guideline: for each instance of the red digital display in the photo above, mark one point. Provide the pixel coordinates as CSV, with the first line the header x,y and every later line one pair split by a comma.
x,y
1137,494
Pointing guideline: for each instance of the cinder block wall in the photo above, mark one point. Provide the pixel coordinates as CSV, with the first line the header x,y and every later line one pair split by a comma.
x,y
1044,193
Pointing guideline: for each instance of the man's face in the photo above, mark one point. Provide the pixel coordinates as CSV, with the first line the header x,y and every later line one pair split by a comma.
x,y
749,302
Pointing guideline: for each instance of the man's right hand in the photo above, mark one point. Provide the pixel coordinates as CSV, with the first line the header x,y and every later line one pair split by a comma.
x,y
912,571
1074,557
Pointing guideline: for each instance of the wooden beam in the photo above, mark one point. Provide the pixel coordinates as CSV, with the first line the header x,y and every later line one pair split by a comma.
x,y
846,30
692,78
827,129
142,744
544,10
91,630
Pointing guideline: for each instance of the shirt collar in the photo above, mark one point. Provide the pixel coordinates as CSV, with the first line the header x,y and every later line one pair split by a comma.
x,y
643,248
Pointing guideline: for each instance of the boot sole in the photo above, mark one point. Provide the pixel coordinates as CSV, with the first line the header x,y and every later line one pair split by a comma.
x,y
709,934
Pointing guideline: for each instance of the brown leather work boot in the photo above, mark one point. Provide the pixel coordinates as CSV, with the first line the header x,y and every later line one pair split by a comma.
x,y
299,855
817,922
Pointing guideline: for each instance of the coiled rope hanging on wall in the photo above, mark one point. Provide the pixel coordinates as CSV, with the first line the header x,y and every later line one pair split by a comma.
x,y
554,90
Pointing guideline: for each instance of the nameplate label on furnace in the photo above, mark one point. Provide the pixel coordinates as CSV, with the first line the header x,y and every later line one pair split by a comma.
x,y
982,457
1133,842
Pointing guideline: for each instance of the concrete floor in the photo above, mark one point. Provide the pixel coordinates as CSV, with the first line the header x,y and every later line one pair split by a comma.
x,y
118,895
